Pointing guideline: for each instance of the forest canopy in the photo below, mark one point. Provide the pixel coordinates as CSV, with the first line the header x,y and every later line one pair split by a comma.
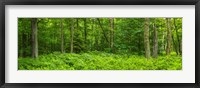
x,y
99,43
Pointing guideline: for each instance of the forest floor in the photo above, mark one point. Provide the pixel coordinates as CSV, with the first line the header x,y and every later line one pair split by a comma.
x,y
99,61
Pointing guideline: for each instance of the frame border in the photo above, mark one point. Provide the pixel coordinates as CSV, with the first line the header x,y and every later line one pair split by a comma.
x,y
3,3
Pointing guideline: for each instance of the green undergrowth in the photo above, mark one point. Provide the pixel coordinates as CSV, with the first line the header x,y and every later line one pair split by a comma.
x,y
99,61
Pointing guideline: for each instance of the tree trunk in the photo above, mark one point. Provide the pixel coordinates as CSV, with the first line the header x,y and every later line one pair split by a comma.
x,y
62,36
102,30
23,44
169,38
85,33
163,40
139,43
112,34
177,35
34,38
53,44
71,35
181,47
21,48
146,38
23,41
174,45
93,36
155,40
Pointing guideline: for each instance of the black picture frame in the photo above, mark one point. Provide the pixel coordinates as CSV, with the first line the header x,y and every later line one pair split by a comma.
x,y
3,3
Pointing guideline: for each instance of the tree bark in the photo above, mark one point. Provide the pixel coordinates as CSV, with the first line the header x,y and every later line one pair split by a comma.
x,y
34,38
71,35
146,38
169,38
96,45
85,32
163,41
177,35
62,36
155,40
24,45
24,41
174,45
103,30
112,34
93,36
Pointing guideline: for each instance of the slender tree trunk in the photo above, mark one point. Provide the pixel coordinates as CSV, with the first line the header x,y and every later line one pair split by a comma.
x,y
93,36
34,38
53,44
177,35
28,39
53,47
155,40
21,48
112,34
163,41
85,32
146,38
174,45
103,30
45,43
139,43
23,41
181,47
169,38
24,44
62,36
71,35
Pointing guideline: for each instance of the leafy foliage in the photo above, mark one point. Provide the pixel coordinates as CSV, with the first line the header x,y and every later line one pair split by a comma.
x,y
99,61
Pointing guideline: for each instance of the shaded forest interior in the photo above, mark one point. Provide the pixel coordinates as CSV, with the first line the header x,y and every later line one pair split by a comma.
x,y
142,37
